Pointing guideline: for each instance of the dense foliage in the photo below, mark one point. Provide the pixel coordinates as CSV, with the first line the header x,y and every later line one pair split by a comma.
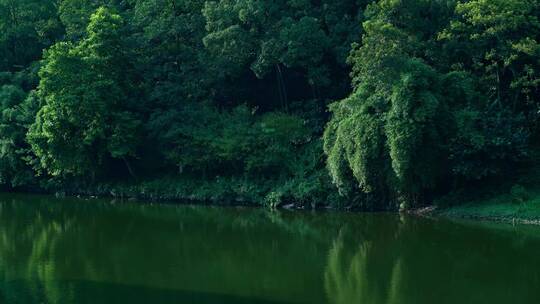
x,y
227,101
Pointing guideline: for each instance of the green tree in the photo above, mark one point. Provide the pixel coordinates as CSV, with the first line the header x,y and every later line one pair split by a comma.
x,y
89,111
283,37
498,41
386,139
17,112
26,28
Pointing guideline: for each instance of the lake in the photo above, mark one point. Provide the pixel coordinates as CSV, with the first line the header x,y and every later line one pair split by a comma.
x,y
102,251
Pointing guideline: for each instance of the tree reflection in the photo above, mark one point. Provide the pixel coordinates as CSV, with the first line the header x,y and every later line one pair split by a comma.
x,y
421,261
364,270
72,251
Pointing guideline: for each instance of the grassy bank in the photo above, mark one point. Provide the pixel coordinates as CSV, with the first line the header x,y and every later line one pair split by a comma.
x,y
497,209
520,206
515,199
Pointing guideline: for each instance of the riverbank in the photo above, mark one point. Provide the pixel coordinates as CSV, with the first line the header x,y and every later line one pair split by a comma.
x,y
305,193
502,208
519,204
500,213
498,209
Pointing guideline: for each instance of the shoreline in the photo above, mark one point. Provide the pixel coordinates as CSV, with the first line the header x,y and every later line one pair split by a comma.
x,y
471,211
450,213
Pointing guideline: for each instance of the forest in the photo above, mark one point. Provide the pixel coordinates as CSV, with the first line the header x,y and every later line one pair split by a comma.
x,y
358,104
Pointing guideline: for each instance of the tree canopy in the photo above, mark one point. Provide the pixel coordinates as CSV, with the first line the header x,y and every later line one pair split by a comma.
x,y
351,103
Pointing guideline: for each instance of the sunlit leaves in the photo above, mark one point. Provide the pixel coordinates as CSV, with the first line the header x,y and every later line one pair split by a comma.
x,y
86,115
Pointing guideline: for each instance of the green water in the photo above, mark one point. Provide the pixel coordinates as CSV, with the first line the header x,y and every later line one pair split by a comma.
x,y
76,251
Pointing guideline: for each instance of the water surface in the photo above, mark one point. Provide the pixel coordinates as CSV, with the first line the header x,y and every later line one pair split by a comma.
x,y
98,251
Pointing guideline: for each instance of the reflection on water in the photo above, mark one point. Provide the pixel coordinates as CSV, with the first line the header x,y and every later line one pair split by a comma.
x,y
428,261
74,251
